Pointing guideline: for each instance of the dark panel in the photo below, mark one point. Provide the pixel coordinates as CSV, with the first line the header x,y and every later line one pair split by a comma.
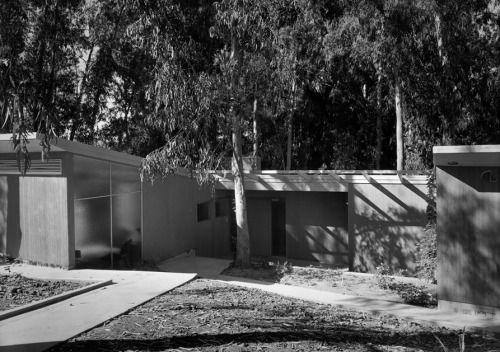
x,y
278,214
316,224
259,226
468,243
93,233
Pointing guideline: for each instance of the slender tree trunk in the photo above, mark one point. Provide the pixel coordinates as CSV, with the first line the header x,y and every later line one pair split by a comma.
x,y
399,126
243,258
255,130
81,95
378,148
290,128
449,118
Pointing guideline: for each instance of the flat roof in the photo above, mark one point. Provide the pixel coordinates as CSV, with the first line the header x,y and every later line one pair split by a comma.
x,y
76,148
467,155
318,180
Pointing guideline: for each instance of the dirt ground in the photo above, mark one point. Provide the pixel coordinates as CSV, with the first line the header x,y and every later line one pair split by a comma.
x,y
17,290
332,280
206,315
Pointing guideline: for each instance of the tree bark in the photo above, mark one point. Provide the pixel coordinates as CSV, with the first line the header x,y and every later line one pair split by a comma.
x,y
255,130
378,148
449,118
290,128
399,126
243,258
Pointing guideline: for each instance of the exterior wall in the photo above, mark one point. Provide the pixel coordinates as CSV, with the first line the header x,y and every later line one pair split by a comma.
x,y
317,227
169,218
386,222
44,220
14,241
10,231
468,223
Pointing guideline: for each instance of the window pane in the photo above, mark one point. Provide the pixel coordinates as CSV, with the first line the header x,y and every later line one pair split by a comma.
x,y
125,179
127,239
91,177
93,233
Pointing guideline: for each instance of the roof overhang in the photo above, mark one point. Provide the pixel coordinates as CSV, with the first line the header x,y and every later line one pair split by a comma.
x,y
76,148
467,155
318,180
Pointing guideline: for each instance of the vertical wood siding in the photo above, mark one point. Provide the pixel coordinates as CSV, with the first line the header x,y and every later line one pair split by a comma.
x,y
44,220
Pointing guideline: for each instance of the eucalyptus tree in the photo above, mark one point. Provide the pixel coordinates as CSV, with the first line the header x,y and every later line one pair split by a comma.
x,y
38,61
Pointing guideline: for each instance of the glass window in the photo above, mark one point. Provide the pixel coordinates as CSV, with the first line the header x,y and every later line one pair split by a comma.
x,y
91,177
125,179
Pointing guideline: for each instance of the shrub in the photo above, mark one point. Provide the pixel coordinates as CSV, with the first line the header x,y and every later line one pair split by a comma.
x,y
282,270
416,295
382,275
427,255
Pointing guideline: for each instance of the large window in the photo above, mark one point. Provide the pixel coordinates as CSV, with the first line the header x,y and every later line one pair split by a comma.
x,y
107,214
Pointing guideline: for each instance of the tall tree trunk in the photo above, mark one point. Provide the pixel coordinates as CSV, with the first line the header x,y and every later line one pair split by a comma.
x,y
243,258
290,127
447,105
378,148
255,130
399,126
81,95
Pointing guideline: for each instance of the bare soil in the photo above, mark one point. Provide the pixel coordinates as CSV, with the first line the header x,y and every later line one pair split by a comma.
x,y
332,280
206,315
17,290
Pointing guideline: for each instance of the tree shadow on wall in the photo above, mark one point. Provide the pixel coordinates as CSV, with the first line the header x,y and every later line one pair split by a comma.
x,y
386,237
468,237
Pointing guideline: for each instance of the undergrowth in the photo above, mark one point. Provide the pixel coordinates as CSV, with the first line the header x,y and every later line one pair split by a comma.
x,y
410,293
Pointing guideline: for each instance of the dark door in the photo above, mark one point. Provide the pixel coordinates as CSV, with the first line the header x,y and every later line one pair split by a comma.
x,y
278,227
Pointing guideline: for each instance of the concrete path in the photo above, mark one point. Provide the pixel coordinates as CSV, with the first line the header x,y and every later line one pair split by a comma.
x,y
208,268
425,316
46,327
211,268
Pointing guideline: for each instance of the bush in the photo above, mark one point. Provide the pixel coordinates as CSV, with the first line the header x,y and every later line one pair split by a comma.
x,y
382,275
427,255
282,270
416,295
410,293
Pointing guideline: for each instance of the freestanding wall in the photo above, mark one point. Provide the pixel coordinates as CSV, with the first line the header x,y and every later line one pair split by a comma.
x,y
468,225
386,222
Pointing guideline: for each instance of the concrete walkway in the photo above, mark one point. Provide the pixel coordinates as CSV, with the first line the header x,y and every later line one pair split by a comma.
x,y
420,315
211,268
43,328
46,327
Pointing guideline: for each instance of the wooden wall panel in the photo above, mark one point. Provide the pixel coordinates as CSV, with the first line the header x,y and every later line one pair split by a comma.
x,y
386,222
469,235
44,220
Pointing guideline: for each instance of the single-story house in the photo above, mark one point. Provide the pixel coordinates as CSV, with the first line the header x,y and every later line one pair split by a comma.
x,y
86,207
